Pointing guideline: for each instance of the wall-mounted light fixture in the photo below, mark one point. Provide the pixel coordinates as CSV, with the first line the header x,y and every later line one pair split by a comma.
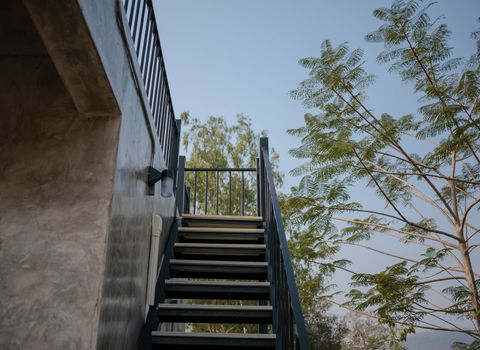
x,y
166,176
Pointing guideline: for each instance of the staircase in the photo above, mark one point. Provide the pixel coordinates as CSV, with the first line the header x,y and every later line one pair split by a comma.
x,y
217,258
242,261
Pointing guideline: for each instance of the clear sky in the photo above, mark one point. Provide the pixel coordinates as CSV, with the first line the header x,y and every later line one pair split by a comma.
x,y
225,57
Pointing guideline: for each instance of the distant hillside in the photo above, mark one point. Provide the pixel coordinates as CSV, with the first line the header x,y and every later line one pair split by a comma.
x,y
435,340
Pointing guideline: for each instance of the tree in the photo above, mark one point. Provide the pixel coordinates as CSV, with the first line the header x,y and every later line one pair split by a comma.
x,y
414,164
325,331
215,144
367,334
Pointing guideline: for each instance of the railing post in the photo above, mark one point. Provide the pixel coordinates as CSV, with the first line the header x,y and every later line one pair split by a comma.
x,y
263,145
178,127
181,185
186,204
257,173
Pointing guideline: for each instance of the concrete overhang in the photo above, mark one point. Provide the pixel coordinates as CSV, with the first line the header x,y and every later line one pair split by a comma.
x,y
67,39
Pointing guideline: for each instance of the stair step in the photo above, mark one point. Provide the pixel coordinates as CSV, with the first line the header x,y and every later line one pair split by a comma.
x,y
204,313
203,341
220,235
222,290
222,220
220,251
218,269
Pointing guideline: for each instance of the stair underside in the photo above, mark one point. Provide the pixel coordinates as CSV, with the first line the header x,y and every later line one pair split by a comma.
x,y
252,270
221,221
224,290
218,235
204,313
221,218
215,251
201,341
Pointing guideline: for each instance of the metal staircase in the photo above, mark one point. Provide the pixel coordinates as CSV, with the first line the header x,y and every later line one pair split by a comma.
x,y
217,258
221,257
227,258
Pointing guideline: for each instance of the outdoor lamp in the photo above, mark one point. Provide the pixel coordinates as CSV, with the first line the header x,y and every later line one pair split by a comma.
x,y
167,180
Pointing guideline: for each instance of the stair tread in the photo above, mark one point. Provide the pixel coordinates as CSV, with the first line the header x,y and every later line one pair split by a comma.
x,y
222,217
220,245
215,335
209,341
208,313
220,230
217,283
219,269
214,307
219,263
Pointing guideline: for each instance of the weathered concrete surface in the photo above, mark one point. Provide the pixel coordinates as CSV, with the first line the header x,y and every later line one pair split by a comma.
x,y
75,217
56,171
124,294
67,39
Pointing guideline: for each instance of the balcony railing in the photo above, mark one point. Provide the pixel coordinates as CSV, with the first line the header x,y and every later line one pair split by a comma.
x,y
143,29
218,191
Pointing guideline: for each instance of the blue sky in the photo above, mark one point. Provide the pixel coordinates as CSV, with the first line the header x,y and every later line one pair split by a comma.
x,y
225,57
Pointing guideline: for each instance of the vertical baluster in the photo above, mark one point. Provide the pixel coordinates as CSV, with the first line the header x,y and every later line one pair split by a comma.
x,y
164,117
135,9
243,193
146,42
195,192
137,40
171,123
154,85
150,72
230,193
187,207
168,130
161,113
217,188
257,178
206,192
172,143
158,92
129,8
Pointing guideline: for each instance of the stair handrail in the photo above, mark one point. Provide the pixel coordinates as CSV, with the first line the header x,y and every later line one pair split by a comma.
x,y
280,264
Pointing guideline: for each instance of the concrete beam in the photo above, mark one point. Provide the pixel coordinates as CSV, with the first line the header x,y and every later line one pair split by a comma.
x,y
69,43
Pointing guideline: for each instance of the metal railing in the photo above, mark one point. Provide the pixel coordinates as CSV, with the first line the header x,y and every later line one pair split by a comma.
x,y
220,191
288,323
143,29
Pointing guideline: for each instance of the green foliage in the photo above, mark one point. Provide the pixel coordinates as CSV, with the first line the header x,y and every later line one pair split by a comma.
x,y
325,331
347,145
393,293
215,144
462,346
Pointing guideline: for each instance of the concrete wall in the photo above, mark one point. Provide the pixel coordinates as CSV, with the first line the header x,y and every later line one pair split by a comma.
x,y
75,217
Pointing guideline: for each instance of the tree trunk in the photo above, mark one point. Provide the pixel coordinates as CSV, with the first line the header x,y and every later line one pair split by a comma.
x,y
472,286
